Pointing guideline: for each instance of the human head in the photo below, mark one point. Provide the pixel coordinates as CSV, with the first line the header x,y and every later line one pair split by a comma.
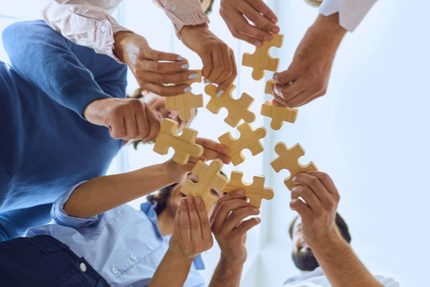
x,y
168,198
302,254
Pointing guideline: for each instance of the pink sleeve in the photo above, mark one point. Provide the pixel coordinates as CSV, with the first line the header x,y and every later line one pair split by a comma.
x,y
184,12
83,24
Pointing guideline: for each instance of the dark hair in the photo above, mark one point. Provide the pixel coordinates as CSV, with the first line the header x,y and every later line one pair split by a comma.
x,y
159,199
340,223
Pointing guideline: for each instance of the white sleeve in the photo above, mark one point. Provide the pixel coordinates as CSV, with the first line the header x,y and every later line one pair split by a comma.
x,y
84,24
351,12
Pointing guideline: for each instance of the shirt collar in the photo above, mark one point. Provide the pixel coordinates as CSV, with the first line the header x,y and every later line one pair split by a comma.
x,y
305,275
148,209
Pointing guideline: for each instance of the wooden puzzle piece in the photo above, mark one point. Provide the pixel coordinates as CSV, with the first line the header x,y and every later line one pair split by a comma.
x,y
186,103
278,114
249,139
238,109
261,59
255,191
289,159
184,145
209,177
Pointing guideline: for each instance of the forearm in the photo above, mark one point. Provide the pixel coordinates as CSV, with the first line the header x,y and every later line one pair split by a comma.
x,y
107,192
172,271
227,273
340,264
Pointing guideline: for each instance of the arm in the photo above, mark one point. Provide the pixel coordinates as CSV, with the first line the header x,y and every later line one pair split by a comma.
x,y
107,192
229,225
53,66
341,266
191,236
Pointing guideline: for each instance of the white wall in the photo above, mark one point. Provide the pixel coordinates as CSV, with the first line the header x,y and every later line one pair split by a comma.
x,y
371,133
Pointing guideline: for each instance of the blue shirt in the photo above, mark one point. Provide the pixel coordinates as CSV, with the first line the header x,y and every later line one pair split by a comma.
x,y
46,145
124,245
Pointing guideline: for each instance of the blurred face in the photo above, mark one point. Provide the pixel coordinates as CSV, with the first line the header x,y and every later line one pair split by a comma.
x,y
302,254
176,195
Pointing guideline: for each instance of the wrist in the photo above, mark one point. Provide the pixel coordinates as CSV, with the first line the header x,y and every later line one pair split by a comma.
x,y
120,39
191,29
232,261
329,27
179,257
329,239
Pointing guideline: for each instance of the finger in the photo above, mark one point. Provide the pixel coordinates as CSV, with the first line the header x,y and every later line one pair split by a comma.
x,y
302,99
130,125
163,67
237,194
224,86
184,221
327,181
262,8
165,91
263,24
153,125
180,77
288,92
164,56
217,70
207,64
117,127
237,216
225,210
246,225
310,198
196,234
303,210
280,101
204,220
255,33
142,122
213,145
286,77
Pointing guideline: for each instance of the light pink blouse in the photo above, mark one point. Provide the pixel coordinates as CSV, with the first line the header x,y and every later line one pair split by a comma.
x,y
89,23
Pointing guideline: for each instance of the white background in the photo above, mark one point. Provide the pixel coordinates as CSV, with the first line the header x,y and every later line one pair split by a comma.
x,y
370,133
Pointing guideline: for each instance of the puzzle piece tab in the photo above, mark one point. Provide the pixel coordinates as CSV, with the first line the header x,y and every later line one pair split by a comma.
x,y
186,103
278,114
209,177
261,59
249,139
255,191
289,159
184,145
238,109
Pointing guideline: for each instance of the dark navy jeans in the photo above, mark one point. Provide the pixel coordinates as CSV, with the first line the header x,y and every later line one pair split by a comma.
x,y
44,261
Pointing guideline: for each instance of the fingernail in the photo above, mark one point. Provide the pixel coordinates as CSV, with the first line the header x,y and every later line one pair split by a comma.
x,y
198,201
220,93
193,76
257,211
295,179
187,90
185,66
258,43
258,219
240,192
206,81
275,30
181,58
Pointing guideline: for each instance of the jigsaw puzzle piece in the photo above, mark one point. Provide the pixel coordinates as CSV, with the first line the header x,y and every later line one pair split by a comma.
x,y
184,145
249,139
289,159
256,191
238,109
186,103
261,60
209,177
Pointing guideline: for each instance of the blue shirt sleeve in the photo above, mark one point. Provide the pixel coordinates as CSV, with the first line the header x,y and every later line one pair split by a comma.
x,y
62,218
71,75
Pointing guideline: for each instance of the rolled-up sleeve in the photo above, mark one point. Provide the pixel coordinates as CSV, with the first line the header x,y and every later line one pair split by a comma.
x,y
351,12
60,217
84,24
184,12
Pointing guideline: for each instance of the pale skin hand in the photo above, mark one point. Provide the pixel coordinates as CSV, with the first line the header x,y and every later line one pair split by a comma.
x,y
249,20
229,225
308,75
191,236
341,266
107,192
126,119
165,74
219,64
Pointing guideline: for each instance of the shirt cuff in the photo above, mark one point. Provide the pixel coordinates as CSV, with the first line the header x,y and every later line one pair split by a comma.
x,y
62,218
189,13
351,12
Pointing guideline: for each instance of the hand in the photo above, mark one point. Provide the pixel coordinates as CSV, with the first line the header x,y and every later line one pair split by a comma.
x,y
249,20
230,227
219,64
158,105
165,74
211,150
126,119
318,211
192,233
308,75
